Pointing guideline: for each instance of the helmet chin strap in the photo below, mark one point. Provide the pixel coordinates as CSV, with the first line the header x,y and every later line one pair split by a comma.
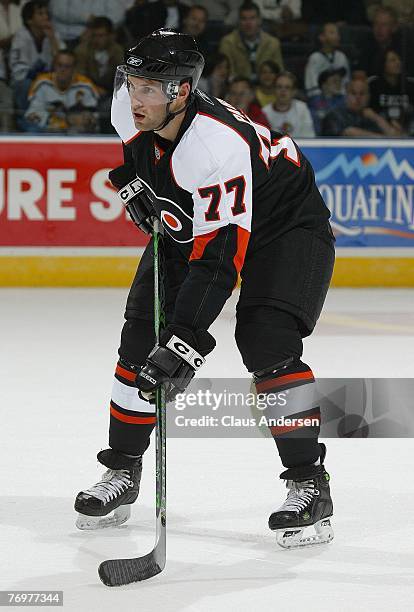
x,y
170,116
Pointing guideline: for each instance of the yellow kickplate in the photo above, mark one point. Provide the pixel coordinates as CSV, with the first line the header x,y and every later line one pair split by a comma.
x,y
90,271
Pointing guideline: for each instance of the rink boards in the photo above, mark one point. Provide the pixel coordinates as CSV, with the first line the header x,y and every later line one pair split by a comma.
x,y
61,223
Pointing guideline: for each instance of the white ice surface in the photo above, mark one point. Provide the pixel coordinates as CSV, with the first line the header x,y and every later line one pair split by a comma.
x,y
56,363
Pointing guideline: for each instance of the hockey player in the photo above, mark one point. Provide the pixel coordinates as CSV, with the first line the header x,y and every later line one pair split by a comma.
x,y
233,197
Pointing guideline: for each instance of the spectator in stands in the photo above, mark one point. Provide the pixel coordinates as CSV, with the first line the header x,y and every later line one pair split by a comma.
x,y
221,12
356,119
371,7
392,94
331,96
265,90
145,17
32,49
194,24
62,100
384,35
113,9
288,115
327,57
280,11
171,13
283,18
241,95
215,78
10,21
6,99
98,57
140,20
71,17
404,10
248,46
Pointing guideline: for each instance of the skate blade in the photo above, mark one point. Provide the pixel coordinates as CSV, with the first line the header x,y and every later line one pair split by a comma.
x,y
293,537
119,516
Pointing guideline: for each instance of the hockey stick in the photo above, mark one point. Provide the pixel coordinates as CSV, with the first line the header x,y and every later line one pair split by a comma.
x,y
116,572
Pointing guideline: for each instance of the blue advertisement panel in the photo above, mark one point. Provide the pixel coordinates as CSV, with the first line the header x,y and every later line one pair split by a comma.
x,y
368,187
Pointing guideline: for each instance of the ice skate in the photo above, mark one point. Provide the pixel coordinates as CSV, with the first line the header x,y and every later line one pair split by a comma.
x,y
115,493
308,505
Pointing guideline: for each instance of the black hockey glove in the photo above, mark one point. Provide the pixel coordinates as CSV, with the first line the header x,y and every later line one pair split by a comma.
x,y
173,361
133,196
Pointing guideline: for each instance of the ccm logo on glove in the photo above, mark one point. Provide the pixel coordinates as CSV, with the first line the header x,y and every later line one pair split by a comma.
x,y
184,350
130,190
147,377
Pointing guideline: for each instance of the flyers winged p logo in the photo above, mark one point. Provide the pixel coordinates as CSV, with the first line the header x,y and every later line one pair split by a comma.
x,y
177,223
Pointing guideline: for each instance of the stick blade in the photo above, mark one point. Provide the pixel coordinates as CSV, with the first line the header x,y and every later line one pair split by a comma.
x,y
116,572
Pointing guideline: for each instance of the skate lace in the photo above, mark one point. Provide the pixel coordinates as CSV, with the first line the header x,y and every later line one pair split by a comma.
x,y
299,496
113,482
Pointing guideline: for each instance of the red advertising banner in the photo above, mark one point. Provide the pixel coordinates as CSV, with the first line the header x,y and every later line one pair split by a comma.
x,y
54,192
62,223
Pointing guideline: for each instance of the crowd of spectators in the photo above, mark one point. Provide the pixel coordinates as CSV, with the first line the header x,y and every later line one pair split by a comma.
x,y
307,68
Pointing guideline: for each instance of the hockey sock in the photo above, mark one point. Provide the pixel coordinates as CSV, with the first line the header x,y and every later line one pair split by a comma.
x,y
292,411
132,419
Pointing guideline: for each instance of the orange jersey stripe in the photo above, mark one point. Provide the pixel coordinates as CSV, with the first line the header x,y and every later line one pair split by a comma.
x,y
284,380
243,236
125,373
200,243
131,419
133,137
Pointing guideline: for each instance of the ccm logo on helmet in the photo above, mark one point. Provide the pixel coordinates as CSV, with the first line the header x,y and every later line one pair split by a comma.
x,y
184,350
134,61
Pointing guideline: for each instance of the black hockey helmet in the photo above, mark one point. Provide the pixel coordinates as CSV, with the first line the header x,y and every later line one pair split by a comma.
x,y
166,56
